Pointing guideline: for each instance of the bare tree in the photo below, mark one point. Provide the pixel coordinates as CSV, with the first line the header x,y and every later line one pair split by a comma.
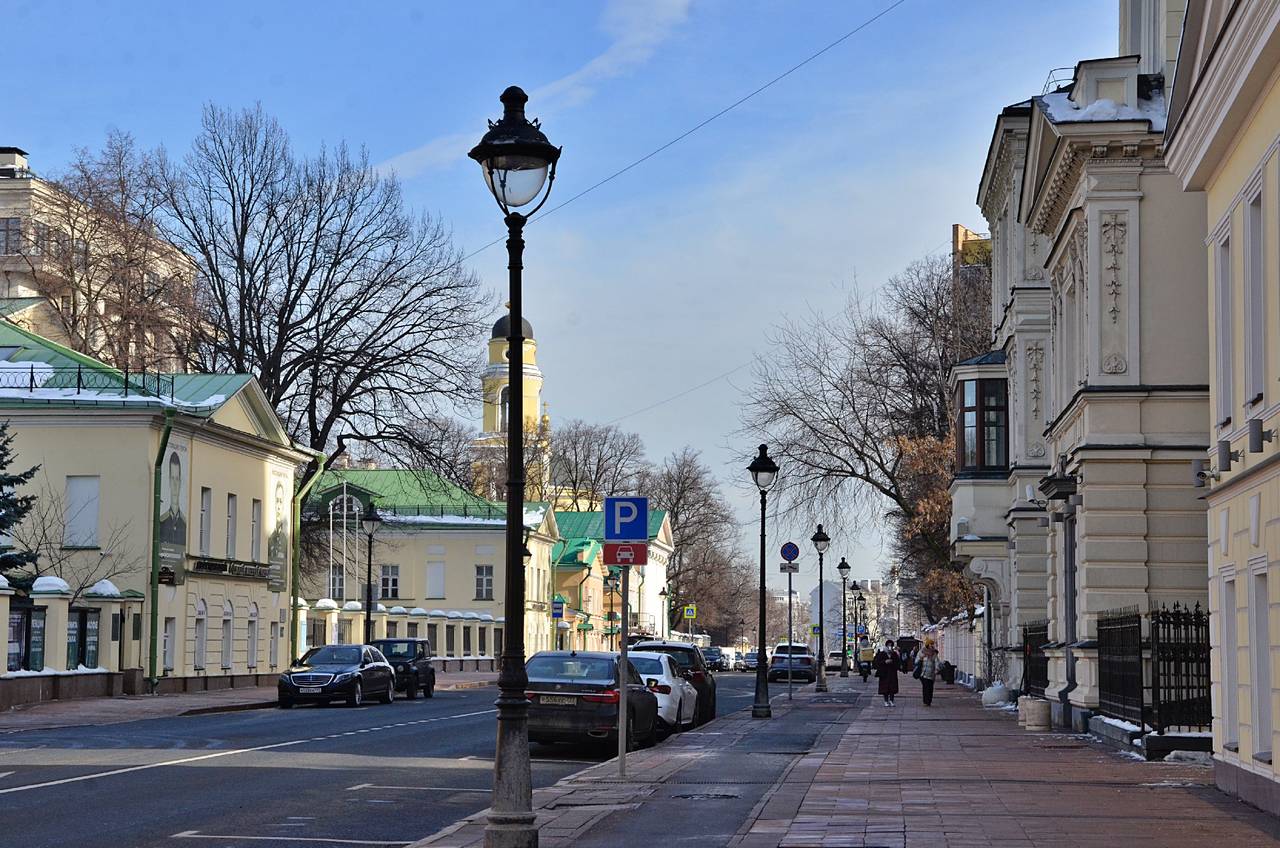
x,y
590,462
117,290
44,534
845,401
355,315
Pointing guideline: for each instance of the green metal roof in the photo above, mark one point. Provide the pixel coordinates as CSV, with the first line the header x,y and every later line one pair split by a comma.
x,y
574,553
37,371
590,525
400,488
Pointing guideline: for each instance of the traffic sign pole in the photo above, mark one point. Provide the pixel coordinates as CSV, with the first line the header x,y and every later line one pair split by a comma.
x,y
790,636
623,677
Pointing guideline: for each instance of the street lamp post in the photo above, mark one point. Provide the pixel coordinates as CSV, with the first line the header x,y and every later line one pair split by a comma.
x,y
844,569
764,472
369,522
518,161
611,585
821,541
666,612
742,636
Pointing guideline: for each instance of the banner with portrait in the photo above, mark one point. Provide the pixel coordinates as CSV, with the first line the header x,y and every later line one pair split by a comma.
x,y
279,511
175,505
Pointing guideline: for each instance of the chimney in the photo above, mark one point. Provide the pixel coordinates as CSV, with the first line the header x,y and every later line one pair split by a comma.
x,y
13,163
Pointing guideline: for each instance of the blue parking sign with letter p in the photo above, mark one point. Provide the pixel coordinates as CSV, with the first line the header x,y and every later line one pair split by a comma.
x,y
626,519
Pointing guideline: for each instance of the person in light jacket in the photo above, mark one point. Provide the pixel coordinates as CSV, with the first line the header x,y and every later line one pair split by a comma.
x,y
886,666
927,666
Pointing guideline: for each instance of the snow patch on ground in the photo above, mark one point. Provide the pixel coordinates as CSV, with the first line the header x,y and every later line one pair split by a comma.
x,y
1190,758
52,672
1123,725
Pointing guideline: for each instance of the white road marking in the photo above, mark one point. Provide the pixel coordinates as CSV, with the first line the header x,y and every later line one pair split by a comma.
x,y
219,754
419,788
5,773
195,834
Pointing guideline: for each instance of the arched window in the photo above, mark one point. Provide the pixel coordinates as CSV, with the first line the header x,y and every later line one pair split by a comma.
x,y
202,634
227,618
503,401
251,638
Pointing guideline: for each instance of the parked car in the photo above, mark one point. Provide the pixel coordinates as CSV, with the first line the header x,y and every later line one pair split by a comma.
x,y
677,699
715,659
574,696
793,660
411,658
834,659
739,662
750,660
693,668
349,673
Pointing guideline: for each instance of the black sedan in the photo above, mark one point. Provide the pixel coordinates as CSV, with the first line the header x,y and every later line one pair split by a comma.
x,y
411,659
348,673
573,697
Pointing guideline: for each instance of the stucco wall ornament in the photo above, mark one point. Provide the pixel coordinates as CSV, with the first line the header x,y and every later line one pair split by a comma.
x,y
1035,367
1036,449
1114,363
1113,237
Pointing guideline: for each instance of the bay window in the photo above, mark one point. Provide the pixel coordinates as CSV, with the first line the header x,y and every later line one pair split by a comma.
x,y
982,425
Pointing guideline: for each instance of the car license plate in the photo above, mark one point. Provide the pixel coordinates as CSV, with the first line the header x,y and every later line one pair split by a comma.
x,y
309,690
562,700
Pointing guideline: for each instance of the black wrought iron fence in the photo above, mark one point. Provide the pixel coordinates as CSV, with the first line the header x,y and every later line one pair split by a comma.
x,y
1120,689
1180,668
1035,665
61,380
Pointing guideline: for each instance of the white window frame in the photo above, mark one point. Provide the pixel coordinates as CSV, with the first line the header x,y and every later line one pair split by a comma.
x,y
206,507
251,638
231,525
337,582
83,499
436,580
202,635
389,581
255,528
1230,651
228,634
1260,657
1255,303
1224,342
484,582
170,637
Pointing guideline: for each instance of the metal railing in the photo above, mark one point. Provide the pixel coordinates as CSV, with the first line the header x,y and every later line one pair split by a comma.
x,y
34,376
460,509
1120,683
1035,665
1180,668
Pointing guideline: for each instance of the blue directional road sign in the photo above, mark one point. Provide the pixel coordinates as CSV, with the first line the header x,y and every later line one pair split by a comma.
x,y
626,519
790,552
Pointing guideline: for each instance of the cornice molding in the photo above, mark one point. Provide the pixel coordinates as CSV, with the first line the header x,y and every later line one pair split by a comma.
x,y
1223,96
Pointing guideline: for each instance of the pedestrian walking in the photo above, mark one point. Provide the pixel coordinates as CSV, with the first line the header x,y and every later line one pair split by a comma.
x,y
926,670
886,665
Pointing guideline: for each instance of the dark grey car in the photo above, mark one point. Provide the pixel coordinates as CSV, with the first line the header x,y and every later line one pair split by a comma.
x,y
338,672
411,658
573,697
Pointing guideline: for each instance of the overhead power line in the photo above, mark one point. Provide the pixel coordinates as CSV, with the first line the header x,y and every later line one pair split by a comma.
x,y
726,110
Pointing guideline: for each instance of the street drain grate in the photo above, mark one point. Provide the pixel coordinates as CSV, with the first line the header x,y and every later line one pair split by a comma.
x,y
706,796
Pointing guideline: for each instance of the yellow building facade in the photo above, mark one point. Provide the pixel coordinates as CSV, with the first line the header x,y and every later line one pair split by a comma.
x,y
200,459
1224,142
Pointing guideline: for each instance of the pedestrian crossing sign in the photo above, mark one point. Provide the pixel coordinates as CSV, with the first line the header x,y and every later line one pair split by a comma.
x,y
690,611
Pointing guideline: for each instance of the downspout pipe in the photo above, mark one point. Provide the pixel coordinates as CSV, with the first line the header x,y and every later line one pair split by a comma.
x,y
153,679
317,465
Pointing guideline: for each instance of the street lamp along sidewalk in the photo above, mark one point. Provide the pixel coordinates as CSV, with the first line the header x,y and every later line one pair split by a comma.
x,y
517,160
821,542
764,473
369,523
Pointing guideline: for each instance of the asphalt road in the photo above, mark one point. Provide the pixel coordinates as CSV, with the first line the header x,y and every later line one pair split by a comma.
x,y
375,775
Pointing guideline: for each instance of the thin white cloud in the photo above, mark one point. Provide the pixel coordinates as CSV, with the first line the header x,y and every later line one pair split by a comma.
x,y
638,28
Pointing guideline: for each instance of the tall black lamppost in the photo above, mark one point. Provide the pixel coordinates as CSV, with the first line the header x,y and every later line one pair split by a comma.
x,y
369,523
860,611
611,586
821,541
764,472
742,636
517,161
844,569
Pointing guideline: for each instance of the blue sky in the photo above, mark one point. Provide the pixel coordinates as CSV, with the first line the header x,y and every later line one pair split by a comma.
x,y
670,275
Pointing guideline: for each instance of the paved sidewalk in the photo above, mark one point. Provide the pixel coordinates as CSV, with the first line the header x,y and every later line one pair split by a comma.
x,y
842,770
96,711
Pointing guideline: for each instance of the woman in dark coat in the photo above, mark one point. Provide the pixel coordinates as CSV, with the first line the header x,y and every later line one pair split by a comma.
x,y
886,666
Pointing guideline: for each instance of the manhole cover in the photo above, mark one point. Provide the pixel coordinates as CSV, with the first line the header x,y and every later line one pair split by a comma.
x,y
706,796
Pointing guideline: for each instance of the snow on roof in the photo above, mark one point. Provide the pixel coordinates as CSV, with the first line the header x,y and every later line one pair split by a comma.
x,y
484,616
4,584
535,515
353,606
438,613
326,604
49,583
104,589
502,619
453,614
380,608
399,610
418,611
1061,110
471,616
444,519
